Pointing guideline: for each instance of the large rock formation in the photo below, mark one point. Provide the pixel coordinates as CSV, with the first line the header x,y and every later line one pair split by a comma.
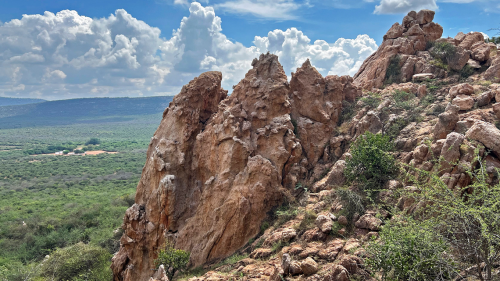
x,y
407,42
217,165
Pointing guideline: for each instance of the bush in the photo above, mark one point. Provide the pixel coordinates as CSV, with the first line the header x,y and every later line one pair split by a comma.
x,y
78,262
348,111
404,100
352,204
172,259
393,72
93,141
444,51
371,99
410,251
371,164
466,71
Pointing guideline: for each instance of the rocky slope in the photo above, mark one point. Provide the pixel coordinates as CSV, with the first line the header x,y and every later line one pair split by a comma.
x,y
218,166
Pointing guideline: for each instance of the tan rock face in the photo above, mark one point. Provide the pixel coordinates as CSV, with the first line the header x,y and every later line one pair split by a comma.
x,y
493,72
461,89
487,134
446,122
403,41
496,109
217,164
470,39
464,102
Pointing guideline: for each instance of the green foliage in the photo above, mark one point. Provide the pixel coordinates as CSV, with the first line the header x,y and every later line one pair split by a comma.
x,y
440,64
352,204
307,222
93,141
404,100
295,127
393,73
444,50
78,262
285,213
467,218
371,99
371,164
348,111
466,71
493,39
172,259
410,251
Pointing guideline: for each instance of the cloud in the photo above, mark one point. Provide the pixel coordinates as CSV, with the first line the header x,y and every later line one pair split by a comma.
x,y
267,9
67,55
404,6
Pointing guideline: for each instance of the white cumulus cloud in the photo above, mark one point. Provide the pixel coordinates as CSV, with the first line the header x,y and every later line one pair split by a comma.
x,y
67,55
404,6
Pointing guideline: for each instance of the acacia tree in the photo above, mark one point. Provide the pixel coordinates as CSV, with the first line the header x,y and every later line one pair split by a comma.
x,y
172,259
467,218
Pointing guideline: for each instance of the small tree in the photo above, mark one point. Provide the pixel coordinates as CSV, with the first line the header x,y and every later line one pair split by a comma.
x,y
467,218
93,141
172,259
409,250
371,165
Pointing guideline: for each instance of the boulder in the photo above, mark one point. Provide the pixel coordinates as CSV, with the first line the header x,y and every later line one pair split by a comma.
x,y
487,134
474,64
295,268
463,102
450,153
422,91
324,223
309,266
493,72
485,98
334,272
460,37
425,16
480,51
368,221
496,109
446,122
470,39
461,89
422,77
351,263
343,220
432,31
394,32
261,253
459,59
285,264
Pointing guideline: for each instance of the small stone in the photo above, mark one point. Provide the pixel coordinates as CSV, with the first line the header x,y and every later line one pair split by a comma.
x,y
463,102
309,266
342,220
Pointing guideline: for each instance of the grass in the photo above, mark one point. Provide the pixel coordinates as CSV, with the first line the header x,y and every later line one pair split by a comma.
x,y
49,202
371,99
393,72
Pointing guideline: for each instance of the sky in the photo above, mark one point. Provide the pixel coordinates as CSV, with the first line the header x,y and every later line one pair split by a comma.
x,y
62,49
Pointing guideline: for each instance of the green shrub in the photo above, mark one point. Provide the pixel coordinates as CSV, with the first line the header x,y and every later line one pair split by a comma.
x,y
307,222
172,259
444,50
404,100
371,164
295,130
466,71
371,99
93,141
467,217
393,72
348,111
285,213
78,262
352,204
410,251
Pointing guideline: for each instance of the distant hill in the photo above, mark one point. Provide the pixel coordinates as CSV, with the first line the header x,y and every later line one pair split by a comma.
x,y
89,110
18,101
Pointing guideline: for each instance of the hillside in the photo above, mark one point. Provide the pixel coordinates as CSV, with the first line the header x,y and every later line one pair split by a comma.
x,y
18,101
90,110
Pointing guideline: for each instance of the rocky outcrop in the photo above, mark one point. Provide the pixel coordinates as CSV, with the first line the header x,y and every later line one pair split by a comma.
x,y
405,42
217,164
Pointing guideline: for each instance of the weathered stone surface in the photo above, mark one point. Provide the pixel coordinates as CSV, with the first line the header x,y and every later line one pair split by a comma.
x,y
261,253
485,98
324,223
459,59
493,72
446,122
496,109
425,16
432,31
394,32
450,152
309,266
474,64
286,260
487,134
470,39
463,102
342,220
480,51
295,268
368,221
422,77
461,89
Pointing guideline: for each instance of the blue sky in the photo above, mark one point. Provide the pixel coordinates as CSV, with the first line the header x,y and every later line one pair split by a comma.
x,y
143,48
